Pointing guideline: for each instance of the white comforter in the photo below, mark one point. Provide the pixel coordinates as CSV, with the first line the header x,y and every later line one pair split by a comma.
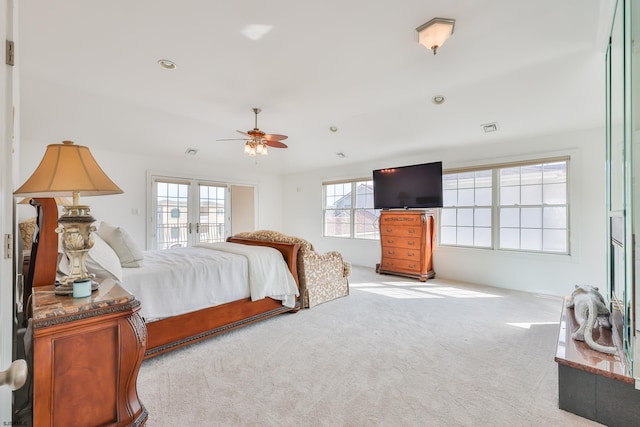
x,y
269,275
178,281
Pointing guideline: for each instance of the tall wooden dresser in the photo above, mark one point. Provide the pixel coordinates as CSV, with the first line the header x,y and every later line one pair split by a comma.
x,y
407,238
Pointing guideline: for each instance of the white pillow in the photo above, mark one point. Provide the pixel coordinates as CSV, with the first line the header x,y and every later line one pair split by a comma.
x,y
103,261
128,252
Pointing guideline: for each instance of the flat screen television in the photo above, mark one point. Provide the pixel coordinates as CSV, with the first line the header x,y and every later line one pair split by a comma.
x,y
405,187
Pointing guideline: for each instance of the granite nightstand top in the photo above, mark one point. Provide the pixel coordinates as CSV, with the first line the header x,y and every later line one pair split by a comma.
x,y
49,308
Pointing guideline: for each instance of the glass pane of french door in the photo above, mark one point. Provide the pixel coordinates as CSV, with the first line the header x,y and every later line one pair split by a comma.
x,y
211,218
172,226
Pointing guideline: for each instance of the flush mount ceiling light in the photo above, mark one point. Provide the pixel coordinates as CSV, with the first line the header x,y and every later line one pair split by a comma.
x,y
167,64
434,33
333,128
341,155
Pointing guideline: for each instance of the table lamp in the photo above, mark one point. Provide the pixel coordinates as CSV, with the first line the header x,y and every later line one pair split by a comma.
x,y
69,170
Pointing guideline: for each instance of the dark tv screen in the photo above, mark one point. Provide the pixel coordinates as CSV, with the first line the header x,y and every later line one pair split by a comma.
x,y
416,186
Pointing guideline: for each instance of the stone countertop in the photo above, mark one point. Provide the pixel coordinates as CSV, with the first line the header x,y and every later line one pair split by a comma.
x,y
47,305
578,355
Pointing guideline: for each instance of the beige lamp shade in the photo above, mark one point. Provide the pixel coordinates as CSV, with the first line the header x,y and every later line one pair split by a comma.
x,y
68,170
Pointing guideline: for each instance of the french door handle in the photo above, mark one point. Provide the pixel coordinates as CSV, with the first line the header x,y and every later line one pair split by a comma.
x,y
190,228
197,227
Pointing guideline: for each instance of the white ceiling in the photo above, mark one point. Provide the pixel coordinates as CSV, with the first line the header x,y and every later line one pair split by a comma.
x,y
89,73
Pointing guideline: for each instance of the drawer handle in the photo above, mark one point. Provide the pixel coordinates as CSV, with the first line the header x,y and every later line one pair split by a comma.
x,y
389,241
411,231
411,243
410,254
389,230
412,266
390,252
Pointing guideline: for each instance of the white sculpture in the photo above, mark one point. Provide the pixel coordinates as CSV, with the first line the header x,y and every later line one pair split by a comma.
x,y
589,309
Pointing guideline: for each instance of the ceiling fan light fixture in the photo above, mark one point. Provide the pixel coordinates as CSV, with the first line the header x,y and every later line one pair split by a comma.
x,y
257,141
434,33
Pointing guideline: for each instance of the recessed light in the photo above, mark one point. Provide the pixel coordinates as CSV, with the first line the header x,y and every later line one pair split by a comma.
x,y
167,64
438,99
341,155
333,128
191,151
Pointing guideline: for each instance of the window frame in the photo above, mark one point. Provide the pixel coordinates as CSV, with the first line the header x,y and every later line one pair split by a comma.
x,y
353,209
497,206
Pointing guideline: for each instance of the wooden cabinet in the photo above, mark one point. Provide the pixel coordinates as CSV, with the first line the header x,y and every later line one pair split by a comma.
x,y
86,357
407,239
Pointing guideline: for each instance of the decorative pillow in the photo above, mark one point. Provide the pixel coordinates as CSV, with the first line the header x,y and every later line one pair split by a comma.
x,y
128,251
102,260
27,230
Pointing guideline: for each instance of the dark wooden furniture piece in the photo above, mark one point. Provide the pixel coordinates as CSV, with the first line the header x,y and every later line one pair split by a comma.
x,y
594,385
86,357
407,238
174,332
41,264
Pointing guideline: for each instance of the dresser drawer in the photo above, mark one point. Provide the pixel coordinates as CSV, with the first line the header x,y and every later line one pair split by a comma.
x,y
401,242
408,266
400,219
402,253
388,230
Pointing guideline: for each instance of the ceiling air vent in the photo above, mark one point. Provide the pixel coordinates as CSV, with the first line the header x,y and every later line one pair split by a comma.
x,y
191,151
489,127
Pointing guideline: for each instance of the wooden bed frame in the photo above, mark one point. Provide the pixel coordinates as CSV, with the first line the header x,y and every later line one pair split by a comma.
x,y
177,331
172,332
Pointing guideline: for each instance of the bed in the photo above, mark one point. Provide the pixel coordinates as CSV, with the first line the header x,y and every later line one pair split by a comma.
x,y
168,333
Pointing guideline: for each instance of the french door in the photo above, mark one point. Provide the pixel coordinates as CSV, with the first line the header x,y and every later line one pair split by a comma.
x,y
188,212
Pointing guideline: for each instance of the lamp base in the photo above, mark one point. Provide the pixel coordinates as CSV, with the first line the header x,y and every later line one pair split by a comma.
x,y
75,226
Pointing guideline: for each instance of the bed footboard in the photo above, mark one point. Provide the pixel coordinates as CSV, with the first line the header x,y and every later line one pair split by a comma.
x,y
175,332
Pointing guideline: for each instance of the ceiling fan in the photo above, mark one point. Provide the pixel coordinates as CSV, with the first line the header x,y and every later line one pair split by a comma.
x,y
257,141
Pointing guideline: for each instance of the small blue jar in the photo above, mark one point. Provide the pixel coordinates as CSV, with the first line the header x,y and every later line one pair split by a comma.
x,y
81,288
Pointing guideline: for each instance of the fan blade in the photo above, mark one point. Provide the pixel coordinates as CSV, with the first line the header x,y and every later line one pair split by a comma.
x,y
232,139
243,133
275,144
274,137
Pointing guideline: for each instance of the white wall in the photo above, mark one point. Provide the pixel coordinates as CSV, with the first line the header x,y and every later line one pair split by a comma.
x,y
293,204
129,172
542,273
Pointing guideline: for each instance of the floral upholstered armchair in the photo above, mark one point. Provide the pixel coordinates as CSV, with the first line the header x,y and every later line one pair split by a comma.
x,y
322,277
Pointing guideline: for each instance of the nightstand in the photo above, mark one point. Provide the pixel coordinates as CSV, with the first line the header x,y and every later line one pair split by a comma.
x,y
86,357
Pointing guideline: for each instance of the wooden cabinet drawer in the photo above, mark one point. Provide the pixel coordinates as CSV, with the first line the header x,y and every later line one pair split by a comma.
x,y
402,253
387,230
400,219
401,265
401,242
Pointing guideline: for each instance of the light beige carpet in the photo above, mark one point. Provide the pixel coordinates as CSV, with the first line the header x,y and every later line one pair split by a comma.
x,y
396,352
